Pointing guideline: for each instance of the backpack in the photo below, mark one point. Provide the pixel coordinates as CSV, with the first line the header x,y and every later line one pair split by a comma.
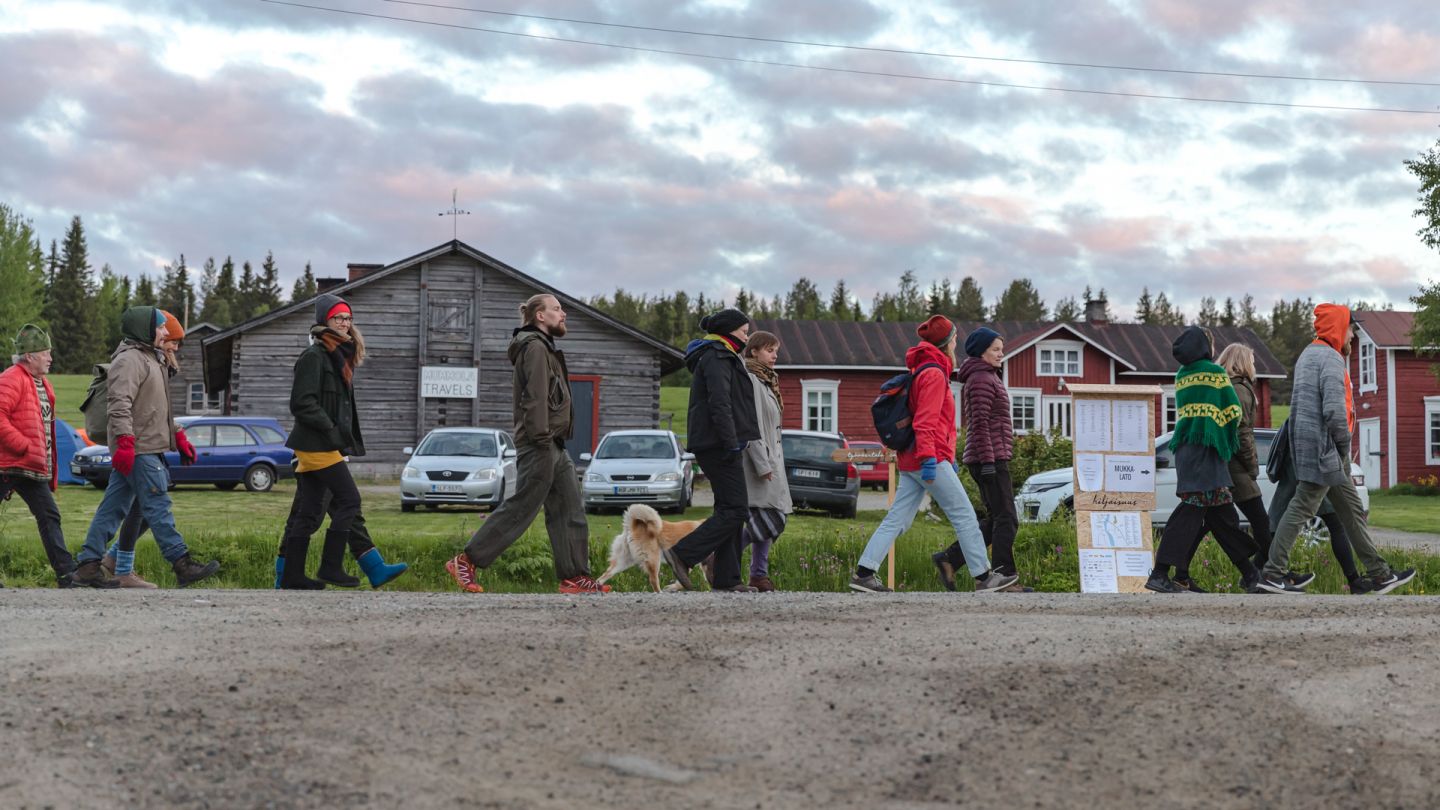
x,y
96,406
891,410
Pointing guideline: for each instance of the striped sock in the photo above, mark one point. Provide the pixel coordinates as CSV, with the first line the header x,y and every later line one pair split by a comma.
x,y
124,562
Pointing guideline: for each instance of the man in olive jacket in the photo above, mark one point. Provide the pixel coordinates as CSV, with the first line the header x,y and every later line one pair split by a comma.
x,y
543,419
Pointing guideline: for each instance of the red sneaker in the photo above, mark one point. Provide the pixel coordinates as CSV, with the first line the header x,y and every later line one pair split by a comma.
x,y
582,584
463,571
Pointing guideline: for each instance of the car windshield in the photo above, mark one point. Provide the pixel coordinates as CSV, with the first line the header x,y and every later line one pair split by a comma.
x,y
657,447
808,448
459,444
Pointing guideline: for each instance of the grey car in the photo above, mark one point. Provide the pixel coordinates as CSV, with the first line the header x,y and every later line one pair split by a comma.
x,y
466,466
639,466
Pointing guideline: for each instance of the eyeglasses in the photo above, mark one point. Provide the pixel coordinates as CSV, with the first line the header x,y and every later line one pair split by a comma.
x,y
342,319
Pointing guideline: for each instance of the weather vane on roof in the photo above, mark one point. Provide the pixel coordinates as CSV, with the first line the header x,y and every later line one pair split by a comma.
x,y
455,213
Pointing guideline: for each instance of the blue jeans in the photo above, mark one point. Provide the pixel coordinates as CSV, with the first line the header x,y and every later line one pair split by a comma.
x,y
147,483
949,493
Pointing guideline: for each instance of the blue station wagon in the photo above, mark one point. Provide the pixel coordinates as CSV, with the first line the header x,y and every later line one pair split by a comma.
x,y
230,450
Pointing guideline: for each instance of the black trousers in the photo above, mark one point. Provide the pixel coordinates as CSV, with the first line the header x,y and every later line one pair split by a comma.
x,y
1177,543
720,535
1000,523
312,491
1254,511
41,502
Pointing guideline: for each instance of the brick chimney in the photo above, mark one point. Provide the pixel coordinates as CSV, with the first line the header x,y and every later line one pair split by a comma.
x,y
1095,311
359,271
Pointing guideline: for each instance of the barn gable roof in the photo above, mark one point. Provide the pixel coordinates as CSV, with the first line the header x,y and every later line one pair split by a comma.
x,y
1389,329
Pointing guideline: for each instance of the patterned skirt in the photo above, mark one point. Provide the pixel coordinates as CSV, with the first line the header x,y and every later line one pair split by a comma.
x,y
764,525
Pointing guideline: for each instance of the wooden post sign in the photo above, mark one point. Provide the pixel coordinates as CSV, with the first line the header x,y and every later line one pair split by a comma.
x,y
870,456
1114,471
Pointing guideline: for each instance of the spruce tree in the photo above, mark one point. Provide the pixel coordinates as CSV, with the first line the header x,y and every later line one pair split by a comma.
x,y
1020,302
840,302
74,329
1209,312
177,295
268,290
745,302
1229,316
970,301
248,297
220,304
1167,314
209,280
111,300
1067,310
802,303
22,278
144,294
1145,308
304,288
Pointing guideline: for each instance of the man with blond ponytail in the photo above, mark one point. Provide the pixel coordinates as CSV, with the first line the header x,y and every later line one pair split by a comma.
x,y
543,419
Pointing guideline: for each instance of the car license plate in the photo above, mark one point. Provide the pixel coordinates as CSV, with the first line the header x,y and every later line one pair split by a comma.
x,y
630,490
864,466
803,473
74,469
447,488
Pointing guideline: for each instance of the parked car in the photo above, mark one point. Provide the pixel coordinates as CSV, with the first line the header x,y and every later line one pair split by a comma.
x,y
639,466
1044,492
817,482
873,474
229,451
461,465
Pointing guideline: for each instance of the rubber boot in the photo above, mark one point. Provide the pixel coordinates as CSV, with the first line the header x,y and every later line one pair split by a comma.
x,y
279,571
332,562
293,577
377,570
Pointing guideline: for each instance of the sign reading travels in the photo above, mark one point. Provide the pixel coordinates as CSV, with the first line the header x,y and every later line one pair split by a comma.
x,y
448,382
1114,468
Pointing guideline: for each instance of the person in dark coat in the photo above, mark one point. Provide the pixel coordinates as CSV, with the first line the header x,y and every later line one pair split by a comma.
x,y
722,421
327,432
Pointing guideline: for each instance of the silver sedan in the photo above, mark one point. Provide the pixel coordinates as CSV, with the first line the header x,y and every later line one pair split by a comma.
x,y
465,466
639,466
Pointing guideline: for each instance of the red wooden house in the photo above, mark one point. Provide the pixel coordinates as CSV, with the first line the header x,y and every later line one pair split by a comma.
x,y
1397,402
830,371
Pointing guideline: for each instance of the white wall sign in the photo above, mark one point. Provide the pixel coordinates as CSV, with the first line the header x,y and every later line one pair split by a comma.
x,y
448,382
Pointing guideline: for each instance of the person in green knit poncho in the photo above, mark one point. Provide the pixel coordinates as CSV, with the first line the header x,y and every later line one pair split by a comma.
x,y
1207,434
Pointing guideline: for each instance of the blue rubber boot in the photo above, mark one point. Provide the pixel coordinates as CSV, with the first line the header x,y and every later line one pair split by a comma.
x,y
279,571
377,570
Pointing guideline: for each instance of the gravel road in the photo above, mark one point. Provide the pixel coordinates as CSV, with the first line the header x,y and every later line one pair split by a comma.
x,y
258,699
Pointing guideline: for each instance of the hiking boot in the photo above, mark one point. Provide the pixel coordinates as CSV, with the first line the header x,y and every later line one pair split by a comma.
x,y
1160,582
463,571
944,569
66,581
738,587
995,581
867,584
582,584
1299,579
678,568
1390,583
762,584
1267,584
133,580
1188,584
188,572
93,575
1360,586
108,562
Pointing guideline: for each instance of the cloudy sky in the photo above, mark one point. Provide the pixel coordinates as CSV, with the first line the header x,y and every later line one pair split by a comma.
x,y
214,127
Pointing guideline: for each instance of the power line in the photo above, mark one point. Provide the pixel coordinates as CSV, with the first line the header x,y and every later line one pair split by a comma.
x,y
856,71
906,52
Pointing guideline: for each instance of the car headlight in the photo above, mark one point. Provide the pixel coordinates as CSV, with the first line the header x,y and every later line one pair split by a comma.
x,y
596,477
670,476
101,459
483,475
1031,489
410,472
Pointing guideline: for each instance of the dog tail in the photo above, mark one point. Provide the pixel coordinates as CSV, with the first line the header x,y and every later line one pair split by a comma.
x,y
643,520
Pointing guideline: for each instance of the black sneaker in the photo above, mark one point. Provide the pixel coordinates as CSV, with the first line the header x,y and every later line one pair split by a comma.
x,y
1390,583
682,574
945,570
1161,583
1266,584
1188,584
1360,586
867,584
1299,579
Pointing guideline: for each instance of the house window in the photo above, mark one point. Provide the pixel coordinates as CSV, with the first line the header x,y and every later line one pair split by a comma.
x,y
1367,365
450,315
956,389
821,397
1058,358
1057,416
1024,407
1432,430
1170,410
202,403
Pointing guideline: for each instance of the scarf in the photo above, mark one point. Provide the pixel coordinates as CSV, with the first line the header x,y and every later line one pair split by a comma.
x,y
727,341
341,349
766,375
1207,409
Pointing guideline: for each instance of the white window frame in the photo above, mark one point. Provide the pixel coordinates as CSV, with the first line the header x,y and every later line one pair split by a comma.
x,y
1369,378
956,390
1032,394
820,388
1066,402
1432,423
209,403
1052,346
1167,398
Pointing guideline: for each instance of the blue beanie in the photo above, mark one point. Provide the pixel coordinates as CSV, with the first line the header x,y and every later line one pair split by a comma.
x,y
979,341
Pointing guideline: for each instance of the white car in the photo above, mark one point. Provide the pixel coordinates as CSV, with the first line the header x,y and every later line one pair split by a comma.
x,y
463,465
1045,492
639,466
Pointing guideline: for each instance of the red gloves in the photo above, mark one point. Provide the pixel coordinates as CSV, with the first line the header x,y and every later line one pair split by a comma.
x,y
123,459
187,450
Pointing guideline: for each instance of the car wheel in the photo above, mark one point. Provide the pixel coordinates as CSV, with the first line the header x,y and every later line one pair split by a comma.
x,y
260,478
848,512
499,499
687,497
407,507
227,486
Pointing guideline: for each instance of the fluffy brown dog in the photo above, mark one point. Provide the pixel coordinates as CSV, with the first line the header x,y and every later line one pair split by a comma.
x,y
643,535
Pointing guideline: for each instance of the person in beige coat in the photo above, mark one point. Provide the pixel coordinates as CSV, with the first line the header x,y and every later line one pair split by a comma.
x,y
769,493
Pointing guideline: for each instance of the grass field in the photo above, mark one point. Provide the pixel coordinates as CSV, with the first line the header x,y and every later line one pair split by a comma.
x,y
1278,415
675,402
1407,513
69,393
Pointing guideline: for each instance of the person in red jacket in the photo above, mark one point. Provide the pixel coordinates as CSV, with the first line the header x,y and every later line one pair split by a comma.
x,y
28,459
929,465
989,444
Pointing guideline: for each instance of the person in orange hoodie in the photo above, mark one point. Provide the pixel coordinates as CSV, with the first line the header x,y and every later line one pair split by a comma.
x,y
1320,449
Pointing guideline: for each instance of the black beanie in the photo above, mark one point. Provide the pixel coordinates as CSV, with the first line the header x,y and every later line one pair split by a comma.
x,y
724,322
1192,344
979,341
324,304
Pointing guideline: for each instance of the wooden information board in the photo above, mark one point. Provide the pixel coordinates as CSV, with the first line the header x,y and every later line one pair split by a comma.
x,y
1114,477
887,456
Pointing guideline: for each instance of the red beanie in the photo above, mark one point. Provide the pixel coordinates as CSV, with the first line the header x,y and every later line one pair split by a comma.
x,y
936,329
338,308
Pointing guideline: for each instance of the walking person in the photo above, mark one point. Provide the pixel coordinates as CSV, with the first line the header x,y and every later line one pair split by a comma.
x,y
29,464
722,422
929,465
989,446
1280,468
767,491
1206,437
544,418
1320,450
327,432
141,428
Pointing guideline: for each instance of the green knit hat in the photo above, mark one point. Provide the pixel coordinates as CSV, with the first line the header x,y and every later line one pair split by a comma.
x,y
31,338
